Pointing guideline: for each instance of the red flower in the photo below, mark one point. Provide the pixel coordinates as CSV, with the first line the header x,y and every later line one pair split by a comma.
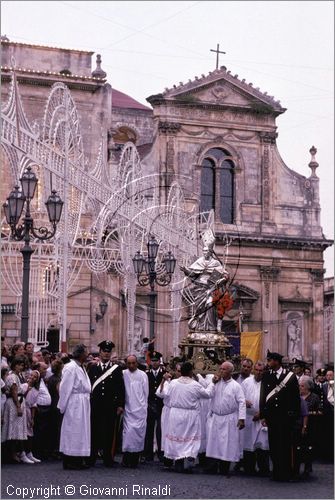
x,y
223,302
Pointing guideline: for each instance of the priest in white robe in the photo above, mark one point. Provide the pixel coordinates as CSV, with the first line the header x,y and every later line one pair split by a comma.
x,y
255,435
74,404
162,393
183,434
135,412
225,420
204,409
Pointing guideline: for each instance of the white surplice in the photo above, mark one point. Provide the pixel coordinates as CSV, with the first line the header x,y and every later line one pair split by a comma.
x,y
183,433
135,411
165,411
74,404
227,407
255,435
204,409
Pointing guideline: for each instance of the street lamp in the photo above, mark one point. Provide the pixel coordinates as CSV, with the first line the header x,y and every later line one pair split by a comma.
x,y
146,271
13,209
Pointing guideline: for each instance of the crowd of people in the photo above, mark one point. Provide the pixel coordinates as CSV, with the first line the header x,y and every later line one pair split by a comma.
x,y
263,419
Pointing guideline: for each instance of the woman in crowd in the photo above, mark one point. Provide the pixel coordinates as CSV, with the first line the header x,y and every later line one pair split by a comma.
x,y
4,375
17,350
306,385
14,431
307,443
31,405
4,355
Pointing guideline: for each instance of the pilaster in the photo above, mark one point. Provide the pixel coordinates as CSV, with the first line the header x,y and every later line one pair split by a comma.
x,y
316,323
270,306
268,140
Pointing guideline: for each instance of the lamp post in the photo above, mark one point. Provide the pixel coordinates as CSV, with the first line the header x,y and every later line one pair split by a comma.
x,y
13,209
147,274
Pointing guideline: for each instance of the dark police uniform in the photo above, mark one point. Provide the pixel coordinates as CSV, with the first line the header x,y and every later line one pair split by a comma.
x,y
319,387
282,414
106,397
322,438
155,407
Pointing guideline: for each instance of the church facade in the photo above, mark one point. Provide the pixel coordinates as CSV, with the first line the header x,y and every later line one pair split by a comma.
x,y
216,136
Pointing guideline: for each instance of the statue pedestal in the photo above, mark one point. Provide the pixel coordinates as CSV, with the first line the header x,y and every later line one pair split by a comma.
x,y
206,350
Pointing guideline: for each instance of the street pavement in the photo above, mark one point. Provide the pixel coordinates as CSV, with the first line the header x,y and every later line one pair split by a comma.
x,y
49,480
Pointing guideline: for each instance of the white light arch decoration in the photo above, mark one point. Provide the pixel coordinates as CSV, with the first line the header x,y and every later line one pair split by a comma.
x,y
124,214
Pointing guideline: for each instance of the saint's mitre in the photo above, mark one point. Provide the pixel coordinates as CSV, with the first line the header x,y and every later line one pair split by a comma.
x,y
208,238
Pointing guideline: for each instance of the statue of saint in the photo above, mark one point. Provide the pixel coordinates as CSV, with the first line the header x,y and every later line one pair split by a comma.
x,y
294,339
206,275
138,334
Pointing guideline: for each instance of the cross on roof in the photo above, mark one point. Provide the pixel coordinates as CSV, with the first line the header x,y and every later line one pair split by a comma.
x,y
217,54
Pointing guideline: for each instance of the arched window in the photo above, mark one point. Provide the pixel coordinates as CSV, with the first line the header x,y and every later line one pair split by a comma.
x,y
207,186
217,184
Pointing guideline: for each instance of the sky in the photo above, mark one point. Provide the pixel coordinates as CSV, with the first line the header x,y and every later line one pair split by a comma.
x,y
284,47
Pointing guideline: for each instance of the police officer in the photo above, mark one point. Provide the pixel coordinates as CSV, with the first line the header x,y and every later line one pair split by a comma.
x,y
107,403
319,382
298,367
280,411
155,405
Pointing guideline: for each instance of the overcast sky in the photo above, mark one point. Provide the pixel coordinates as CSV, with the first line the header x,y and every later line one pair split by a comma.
x,y
285,48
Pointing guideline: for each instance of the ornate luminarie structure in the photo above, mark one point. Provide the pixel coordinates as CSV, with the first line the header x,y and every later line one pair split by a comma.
x,y
121,213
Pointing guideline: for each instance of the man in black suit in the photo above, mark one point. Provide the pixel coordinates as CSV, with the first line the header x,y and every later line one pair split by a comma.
x,y
107,403
299,367
155,405
280,409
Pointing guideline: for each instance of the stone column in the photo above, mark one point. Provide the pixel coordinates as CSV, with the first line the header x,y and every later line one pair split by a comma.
x,y
167,172
316,321
270,307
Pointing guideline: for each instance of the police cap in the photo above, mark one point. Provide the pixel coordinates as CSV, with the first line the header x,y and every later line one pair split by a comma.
x,y
155,356
299,362
275,356
106,345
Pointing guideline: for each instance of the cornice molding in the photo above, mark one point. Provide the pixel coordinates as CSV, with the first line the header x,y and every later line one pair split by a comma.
x,y
275,241
269,273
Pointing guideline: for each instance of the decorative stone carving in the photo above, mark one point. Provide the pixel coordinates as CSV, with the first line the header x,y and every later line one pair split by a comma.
x,y
99,72
268,137
294,304
267,294
169,127
170,155
212,112
313,164
219,92
317,275
268,274
266,183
